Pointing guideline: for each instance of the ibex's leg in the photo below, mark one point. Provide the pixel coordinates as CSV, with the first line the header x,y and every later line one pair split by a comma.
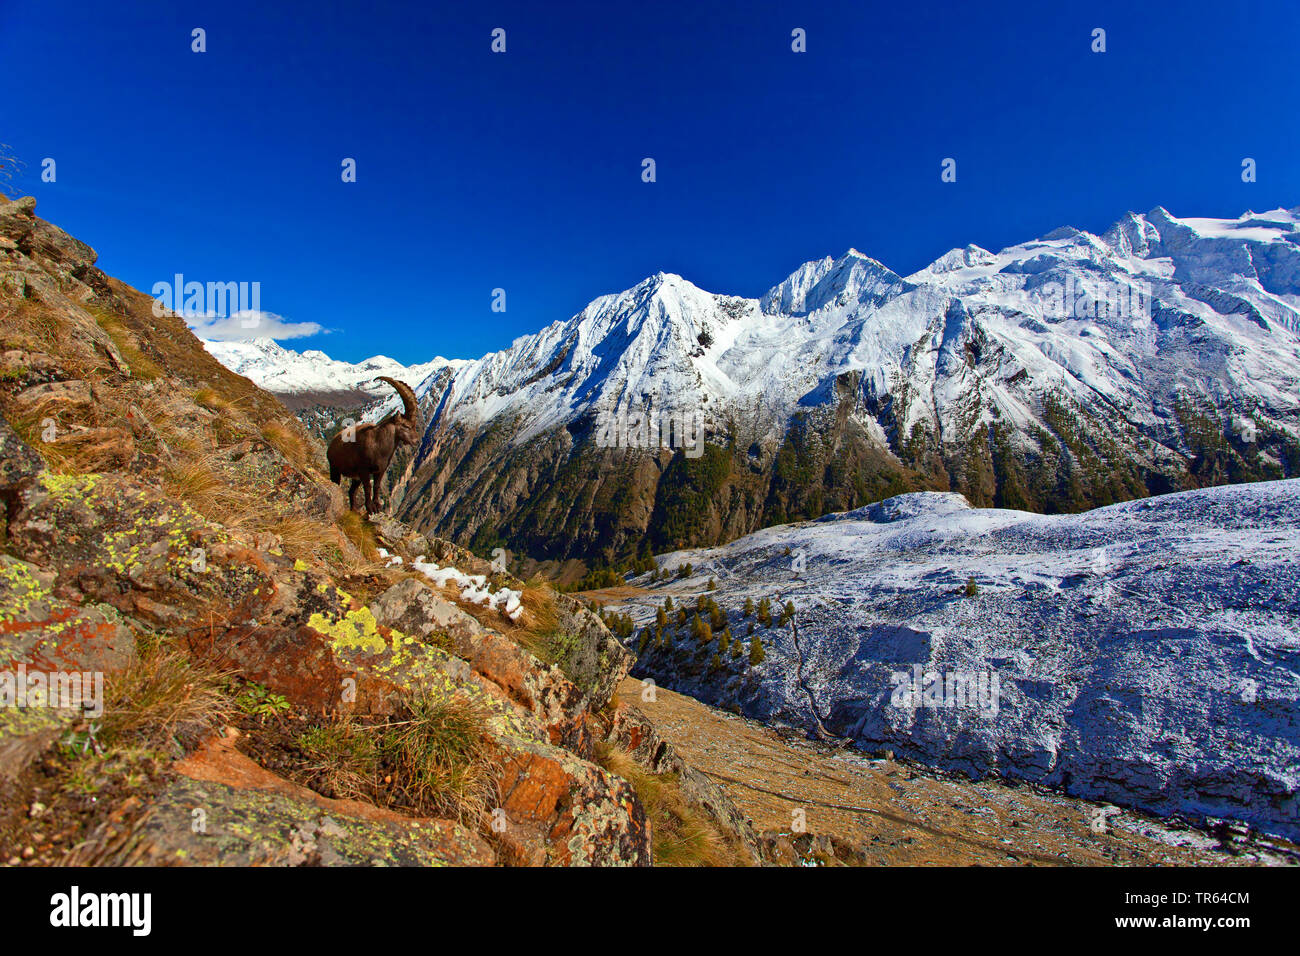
x,y
370,495
352,494
379,482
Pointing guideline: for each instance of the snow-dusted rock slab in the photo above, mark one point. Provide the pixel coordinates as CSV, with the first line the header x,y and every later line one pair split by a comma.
x,y
1147,653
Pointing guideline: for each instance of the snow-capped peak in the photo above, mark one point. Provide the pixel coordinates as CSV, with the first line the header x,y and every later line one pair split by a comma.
x,y
1124,324
962,257
288,373
853,278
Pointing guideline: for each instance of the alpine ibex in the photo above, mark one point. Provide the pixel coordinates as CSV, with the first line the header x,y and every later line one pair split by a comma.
x,y
363,453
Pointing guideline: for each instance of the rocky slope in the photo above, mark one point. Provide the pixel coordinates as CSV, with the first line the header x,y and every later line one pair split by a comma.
x,y
268,679
1147,653
821,802
1064,373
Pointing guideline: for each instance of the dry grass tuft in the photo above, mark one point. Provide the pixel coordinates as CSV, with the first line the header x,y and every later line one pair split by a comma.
x,y
197,483
142,367
212,400
291,443
156,709
29,325
537,629
538,599
200,485
361,533
92,450
433,759
85,437
304,537
680,834
164,700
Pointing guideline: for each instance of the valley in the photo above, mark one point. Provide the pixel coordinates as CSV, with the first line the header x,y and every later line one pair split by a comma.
x,y
1144,654
881,812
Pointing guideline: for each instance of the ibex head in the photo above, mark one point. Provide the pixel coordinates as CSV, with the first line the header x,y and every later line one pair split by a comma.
x,y
407,424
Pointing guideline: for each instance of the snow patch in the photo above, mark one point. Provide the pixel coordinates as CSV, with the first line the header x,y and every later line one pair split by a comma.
x,y
474,588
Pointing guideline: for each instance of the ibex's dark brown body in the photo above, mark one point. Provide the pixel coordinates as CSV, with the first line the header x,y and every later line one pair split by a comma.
x,y
364,452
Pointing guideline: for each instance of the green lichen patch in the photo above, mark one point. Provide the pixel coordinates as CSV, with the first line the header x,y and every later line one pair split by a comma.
x,y
21,591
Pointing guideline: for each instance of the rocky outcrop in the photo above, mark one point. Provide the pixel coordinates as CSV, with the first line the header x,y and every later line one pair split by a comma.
x,y
558,810
582,647
541,690
589,654
114,544
18,463
225,810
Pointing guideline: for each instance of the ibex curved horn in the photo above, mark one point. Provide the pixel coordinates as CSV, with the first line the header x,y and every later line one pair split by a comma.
x,y
408,397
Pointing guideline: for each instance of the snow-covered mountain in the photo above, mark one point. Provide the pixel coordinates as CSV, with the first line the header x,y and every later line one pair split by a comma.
x,y
1063,373
1223,298
1147,653
313,378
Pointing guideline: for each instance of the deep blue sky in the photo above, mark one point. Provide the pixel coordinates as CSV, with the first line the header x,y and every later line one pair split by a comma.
x,y
522,170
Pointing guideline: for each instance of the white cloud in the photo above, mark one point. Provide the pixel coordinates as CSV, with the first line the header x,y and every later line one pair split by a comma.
x,y
246,325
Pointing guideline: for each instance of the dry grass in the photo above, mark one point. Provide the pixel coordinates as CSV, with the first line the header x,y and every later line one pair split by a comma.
x,y
291,443
145,425
156,709
434,759
538,600
362,535
366,582
200,485
303,537
92,450
680,835
142,367
85,437
539,625
537,630
29,325
176,440
163,702
166,700
212,400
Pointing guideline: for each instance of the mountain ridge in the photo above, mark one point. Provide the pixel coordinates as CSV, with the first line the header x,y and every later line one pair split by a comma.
x,y
1057,374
